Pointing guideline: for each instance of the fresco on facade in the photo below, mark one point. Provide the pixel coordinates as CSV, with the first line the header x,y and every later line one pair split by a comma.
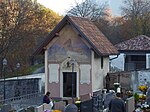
x,y
69,47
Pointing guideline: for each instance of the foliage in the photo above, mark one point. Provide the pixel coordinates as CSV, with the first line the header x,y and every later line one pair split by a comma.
x,y
23,25
101,15
134,21
137,15
30,69
136,96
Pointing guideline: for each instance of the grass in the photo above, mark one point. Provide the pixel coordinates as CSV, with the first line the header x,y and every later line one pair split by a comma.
x,y
24,71
31,69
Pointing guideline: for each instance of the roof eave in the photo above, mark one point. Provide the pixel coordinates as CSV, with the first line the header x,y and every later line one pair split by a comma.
x,y
143,51
41,49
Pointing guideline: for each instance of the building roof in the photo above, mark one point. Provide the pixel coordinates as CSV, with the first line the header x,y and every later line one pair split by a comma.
x,y
87,30
139,43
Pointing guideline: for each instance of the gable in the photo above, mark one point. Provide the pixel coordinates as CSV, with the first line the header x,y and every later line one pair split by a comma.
x,y
68,44
88,31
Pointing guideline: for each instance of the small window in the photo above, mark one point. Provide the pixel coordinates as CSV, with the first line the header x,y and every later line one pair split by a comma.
x,y
102,62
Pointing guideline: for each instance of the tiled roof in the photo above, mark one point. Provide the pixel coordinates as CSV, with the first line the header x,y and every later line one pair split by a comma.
x,y
139,43
88,30
94,35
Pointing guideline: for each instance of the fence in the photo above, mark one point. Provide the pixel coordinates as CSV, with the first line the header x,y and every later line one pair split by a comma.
x,y
24,101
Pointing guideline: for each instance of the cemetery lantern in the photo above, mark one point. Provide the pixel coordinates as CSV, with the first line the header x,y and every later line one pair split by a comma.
x,y
4,69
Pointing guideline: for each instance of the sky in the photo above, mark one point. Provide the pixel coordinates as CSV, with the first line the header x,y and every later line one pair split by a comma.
x,y
61,6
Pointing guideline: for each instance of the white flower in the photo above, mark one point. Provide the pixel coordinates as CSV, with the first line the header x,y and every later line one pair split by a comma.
x,y
116,84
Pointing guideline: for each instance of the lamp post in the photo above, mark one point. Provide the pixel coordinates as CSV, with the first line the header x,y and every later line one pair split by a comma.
x,y
4,68
17,66
72,62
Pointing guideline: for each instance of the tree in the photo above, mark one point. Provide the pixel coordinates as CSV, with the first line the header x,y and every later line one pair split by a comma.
x,y
89,9
23,24
137,13
101,16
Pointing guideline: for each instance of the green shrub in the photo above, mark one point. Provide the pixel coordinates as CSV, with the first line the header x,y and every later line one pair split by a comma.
x,y
136,96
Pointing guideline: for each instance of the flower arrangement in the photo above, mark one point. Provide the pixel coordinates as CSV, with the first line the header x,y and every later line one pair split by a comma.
x,y
56,111
143,88
142,96
77,103
145,106
129,93
52,111
116,85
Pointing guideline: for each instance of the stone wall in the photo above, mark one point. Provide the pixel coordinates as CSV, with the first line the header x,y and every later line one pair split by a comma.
x,y
128,80
19,87
124,78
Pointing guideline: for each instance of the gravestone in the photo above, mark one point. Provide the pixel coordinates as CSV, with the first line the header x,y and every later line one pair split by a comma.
x,y
148,96
30,109
71,108
108,98
86,106
148,92
130,104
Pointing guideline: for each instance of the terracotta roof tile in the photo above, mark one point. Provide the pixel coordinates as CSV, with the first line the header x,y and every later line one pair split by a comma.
x,y
96,37
139,43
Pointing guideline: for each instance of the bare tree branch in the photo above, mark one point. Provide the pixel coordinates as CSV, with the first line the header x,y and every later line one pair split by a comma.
x,y
89,9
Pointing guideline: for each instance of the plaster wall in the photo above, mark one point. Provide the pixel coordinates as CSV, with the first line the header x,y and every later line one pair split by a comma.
x,y
69,45
117,62
85,85
98,72
54,79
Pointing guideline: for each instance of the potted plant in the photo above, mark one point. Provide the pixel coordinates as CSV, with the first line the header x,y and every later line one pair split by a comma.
x,y
116,85
143,88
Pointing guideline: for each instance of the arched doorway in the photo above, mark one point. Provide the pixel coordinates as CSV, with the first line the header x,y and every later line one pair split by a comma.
x,y
69,79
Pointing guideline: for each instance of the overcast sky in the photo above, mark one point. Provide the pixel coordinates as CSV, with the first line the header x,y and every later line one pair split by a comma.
x,y
61,6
